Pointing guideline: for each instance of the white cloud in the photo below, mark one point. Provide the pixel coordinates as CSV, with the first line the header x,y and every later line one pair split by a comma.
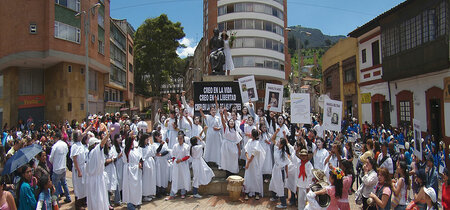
x,y
189,50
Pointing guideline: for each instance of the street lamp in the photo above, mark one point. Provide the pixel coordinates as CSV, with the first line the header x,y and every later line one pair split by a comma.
x,y
87,21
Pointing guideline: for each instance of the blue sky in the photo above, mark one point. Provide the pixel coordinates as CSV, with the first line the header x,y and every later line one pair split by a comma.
x,y
333,17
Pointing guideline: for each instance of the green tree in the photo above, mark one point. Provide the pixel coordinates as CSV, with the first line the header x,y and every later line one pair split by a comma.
x,y
156,60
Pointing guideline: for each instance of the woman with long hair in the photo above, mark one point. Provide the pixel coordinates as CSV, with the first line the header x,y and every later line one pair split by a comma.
x,y
118,148
162,167
280,171
320,154
231,149
246,128
382,195
347,167
110,167
6,198
266,143
400,185
148,165
213,135
202,173
370,179
255,155
25,192
78,152
46,190
132,174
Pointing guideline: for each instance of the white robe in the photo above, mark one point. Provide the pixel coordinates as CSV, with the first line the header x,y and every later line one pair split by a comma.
x,y
293,170
247,131
119,167
132,178
149,171
162,166
213,140
277,183
111,179
79,150
196,130
201,171
253,180
280,134
181,176
229,151
185,126
319,159
268,163
171,133
97,196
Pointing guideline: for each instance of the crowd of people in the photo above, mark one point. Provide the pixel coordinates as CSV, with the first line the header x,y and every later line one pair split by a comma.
x,y
117,160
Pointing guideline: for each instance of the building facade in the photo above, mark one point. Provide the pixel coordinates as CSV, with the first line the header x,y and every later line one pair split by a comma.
x,y
340,76
260,48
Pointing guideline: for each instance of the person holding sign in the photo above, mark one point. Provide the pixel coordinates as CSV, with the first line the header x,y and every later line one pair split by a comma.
x,y
213,135
231,149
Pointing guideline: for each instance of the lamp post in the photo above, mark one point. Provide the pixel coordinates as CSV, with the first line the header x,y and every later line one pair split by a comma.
x,y
87,21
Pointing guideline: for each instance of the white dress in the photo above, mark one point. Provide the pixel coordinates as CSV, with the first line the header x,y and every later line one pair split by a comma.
x,y
293,170
277,183
132,178
181,176
229,151
253,180
162,166
185,126
97,197
268,163
196,130
171,133
79,150
319,159
213,140
148,172
280,134
229,65
247,131
119,167
110,169
201,171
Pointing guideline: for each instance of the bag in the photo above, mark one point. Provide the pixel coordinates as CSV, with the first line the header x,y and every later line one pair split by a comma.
x,y
395,200
358,195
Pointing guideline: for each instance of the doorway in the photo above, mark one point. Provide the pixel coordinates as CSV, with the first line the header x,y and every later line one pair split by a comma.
x,y
435,117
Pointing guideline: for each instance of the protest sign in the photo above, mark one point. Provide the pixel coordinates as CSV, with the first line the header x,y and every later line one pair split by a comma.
x,y
227,94
332,115
300,108
274,94
247,86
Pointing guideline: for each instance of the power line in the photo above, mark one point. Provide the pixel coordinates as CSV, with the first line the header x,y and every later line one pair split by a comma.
x,y
150,3
334,8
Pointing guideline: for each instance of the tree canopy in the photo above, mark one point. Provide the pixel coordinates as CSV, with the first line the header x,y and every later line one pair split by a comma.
x,y
156,60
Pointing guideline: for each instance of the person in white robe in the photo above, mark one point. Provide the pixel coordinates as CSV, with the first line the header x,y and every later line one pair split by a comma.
x,y
161,164
148,168
197,130
78,153
253,180
266,144
110,168
189,107
118,147
333,159
181,176
172,126
280,171
213,136
231,149
186,123
97,197
320,154
284,130
246,128
132,174
304,178
202,173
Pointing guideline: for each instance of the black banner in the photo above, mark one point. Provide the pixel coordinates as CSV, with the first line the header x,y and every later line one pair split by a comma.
x,y
227,94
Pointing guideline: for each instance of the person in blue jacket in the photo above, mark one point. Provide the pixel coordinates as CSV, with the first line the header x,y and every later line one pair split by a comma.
x,y
25,192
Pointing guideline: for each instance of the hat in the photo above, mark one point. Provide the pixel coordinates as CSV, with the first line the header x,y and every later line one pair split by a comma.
x,y
303,152
320,176
430,192
93,141
323,200
407,145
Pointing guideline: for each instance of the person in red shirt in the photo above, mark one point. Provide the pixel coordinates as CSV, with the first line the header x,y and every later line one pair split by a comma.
x,y
445,190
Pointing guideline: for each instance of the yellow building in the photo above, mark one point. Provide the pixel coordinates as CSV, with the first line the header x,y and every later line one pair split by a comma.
x,y
340,76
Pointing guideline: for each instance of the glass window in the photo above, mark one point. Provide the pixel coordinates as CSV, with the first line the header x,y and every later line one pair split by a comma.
x,y
222,10
259,62
230,25
405,111
101,47
229,9
71,4
329,82
248,7
31,82
375,53
259,24
249,42
239,7
101,20
249,61
350,75
238,43
259,42
268,44
238,61
363,56
221,26
267,26
93,83
249,24
268,64
67,32
259,8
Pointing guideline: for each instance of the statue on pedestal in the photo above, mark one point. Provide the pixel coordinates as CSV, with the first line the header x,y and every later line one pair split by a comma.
x,y
217,56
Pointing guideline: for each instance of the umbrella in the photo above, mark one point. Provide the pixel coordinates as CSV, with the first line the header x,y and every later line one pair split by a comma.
x,y
21,157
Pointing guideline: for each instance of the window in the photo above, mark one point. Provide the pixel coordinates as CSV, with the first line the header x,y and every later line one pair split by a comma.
x,y
69,107
117,54
71,4
82,106
258,61
33,28
31,82
131,87
118,75
101,20
130,49
67,32
349,75
130,67
82,70
328,82
101,47
405,111
363,56
93,82
69,68
375,53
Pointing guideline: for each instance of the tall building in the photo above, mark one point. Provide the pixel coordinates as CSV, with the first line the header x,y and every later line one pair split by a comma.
x,y
43,56
260,47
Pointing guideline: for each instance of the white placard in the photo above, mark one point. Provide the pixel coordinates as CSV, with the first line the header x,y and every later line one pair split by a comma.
x,y
417,139
300,108
332,115
247,86
274,94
